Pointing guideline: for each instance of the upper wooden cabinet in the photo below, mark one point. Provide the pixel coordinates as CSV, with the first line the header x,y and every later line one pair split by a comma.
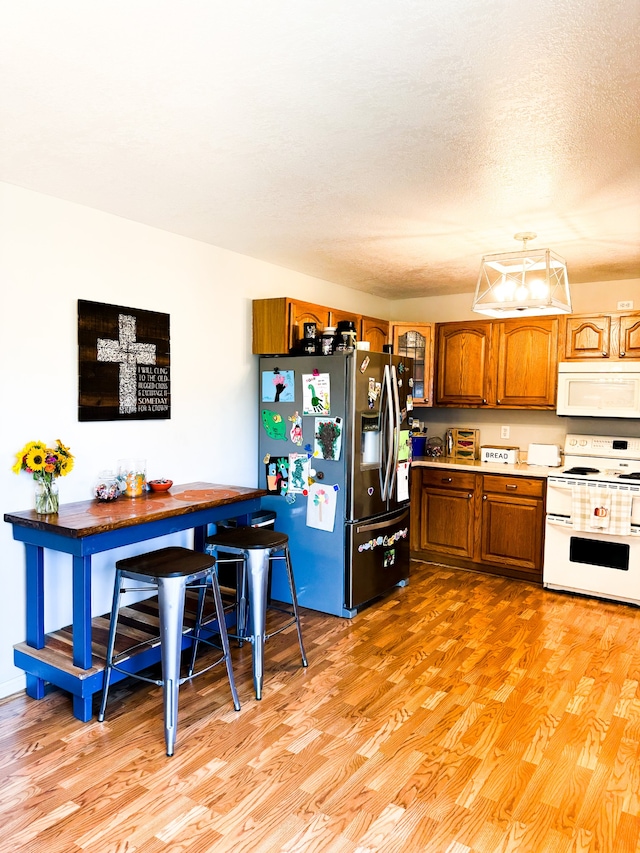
x,y
497,363
278,324
600,336
376,332
416,340
462,363
527,362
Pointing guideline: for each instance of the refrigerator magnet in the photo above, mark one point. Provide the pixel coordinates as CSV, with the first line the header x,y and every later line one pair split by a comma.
x,y
365,364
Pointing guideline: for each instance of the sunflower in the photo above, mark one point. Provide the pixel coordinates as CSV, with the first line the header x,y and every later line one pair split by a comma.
x,y
66,465
36,457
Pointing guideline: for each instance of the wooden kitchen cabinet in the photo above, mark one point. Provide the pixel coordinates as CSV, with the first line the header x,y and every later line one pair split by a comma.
x,y
278,324
497,363
375,331
446,523
512,523
416,341
526,363
487,523
462,371
598,336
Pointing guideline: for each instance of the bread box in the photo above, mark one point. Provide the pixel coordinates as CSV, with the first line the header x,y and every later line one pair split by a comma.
x,y
508,455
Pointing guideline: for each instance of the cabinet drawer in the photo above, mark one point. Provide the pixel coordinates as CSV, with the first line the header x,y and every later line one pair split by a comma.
x,y
448,478
513,485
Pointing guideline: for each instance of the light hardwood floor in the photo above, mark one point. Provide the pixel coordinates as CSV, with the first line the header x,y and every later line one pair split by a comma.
x,y
461,713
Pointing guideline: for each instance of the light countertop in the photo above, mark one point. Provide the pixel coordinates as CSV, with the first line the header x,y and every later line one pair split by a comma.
x,y
521,469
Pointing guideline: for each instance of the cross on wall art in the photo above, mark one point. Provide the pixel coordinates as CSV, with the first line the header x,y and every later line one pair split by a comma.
x,y
124,369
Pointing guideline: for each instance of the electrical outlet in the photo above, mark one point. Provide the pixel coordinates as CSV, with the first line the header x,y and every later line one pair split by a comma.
x,y
627,305
505,432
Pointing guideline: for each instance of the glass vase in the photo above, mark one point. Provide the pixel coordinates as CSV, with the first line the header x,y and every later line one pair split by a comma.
x,y
47,497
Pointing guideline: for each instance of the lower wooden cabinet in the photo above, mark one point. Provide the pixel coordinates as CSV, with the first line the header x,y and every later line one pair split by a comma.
x,y
492,523
446,524
512,516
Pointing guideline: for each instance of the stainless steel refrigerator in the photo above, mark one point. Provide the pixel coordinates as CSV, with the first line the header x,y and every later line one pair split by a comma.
x,y
344,419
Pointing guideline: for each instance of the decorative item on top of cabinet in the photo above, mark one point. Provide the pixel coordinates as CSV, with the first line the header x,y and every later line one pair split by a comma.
x,y
416,340
497,363
612,336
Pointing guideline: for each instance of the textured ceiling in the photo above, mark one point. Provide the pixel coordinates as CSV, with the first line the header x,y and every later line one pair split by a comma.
x,y
381,144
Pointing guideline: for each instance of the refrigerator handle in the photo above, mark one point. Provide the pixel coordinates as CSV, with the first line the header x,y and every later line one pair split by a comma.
x,y
386,417
396,429
381,525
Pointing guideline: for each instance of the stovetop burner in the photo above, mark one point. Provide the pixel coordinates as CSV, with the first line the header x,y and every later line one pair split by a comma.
x,y
581,470
634,475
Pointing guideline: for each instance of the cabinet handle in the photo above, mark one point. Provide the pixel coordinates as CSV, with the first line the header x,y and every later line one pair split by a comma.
x,y
484,497
446,479
470,495
498,402
511,486
605,354
622,354
484,402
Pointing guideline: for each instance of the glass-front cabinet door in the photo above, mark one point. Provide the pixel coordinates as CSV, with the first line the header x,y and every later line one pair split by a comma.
x,y
416,341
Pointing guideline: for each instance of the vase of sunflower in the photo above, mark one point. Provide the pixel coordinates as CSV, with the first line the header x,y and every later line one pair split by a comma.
x,y
45,464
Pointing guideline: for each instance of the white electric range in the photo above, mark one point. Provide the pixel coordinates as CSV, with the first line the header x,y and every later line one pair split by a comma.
x,y
592,529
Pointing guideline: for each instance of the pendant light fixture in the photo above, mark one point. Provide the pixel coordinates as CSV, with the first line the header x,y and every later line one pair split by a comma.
x,y
527,283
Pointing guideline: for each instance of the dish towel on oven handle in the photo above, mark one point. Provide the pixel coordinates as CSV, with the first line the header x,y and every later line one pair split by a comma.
x,y
601,510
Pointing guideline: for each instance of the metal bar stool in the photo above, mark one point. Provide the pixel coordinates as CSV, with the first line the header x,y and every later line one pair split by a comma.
x,y
257,547
169,571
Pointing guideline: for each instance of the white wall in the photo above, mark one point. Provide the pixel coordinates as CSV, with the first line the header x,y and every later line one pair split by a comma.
x,y
53,253
598,296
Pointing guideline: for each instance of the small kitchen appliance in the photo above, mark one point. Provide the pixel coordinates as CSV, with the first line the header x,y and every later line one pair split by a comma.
x,y
599,389
592,530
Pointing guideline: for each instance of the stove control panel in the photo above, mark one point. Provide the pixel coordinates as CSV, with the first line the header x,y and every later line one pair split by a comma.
x,y
607,447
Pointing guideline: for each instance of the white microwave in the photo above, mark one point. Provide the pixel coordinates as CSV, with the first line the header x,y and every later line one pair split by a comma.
x,y
603,389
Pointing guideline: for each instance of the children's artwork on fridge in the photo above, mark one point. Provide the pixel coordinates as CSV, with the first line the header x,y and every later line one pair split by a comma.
x,y
299,472
328,438
278,386
277,469
274,425
402,479
321,506
404,440
316,394
295,433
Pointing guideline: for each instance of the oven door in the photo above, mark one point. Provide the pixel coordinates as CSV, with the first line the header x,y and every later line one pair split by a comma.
x,y
591,563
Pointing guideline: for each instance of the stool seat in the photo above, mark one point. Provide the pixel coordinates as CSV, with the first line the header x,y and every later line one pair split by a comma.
x,y
255,549
174,562
169,571
248,538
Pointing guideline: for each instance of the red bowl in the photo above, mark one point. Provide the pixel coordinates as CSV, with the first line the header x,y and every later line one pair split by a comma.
x,y
160,485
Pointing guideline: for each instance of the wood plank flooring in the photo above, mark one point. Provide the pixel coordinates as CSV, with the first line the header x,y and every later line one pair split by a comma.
x,y
462,714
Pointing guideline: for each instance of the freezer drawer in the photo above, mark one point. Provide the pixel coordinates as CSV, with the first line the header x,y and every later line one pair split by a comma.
x,y
377,556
